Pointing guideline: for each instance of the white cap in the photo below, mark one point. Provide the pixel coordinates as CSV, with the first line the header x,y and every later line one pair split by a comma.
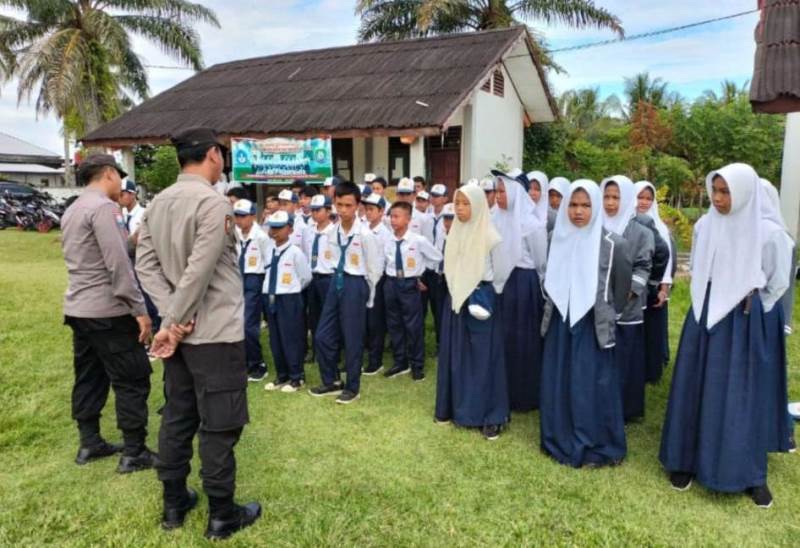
x,y
369,177
422,195
439,190
448,210
244,207
287,195
514,173
405,186
319,201
488,185
376,200
328,182
279,219
472,181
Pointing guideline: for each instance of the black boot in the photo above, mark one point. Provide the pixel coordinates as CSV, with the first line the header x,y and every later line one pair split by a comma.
x,y
226,518
178,501
133,463
99,451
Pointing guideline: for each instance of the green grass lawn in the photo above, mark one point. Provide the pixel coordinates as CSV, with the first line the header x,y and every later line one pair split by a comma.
x,y
379,472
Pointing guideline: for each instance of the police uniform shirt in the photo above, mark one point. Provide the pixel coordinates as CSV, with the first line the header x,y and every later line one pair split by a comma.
x,y
363,257
416,253
293,274
322,263
133,218
256,247
101,281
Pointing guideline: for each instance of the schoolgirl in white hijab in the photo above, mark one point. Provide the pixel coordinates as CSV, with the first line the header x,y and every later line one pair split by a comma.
x,y
538,191
520,266
714,429
581,414
471,386
627,204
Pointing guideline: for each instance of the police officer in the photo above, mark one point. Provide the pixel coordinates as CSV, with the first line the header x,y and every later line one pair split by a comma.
x,y
186,261
106,311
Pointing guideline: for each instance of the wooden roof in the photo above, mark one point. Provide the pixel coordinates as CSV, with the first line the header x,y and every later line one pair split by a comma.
x,y
385,88
776,77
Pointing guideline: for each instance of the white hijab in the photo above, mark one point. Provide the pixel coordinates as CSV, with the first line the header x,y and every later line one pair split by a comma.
x,y
513,224
574,258
771,205
468,246
627,204
662,228
540,207
727,248
560,185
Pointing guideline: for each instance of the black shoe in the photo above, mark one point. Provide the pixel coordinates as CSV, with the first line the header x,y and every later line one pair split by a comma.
x,y
491,432
681,481
258,373
100,451
347,397
418,376
243,516
144,460
330,390
370,371
172,518
396,371
761,496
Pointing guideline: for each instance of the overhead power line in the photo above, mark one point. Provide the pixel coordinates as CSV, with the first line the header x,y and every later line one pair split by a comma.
x,y
653,33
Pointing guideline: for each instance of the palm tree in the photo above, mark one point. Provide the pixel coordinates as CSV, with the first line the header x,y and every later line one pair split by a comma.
x,y
729,92
77,56
642,89
399,19
584,108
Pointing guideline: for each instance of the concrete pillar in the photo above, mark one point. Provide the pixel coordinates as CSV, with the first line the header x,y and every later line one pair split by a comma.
x,y
790,180
359,159
417,158
380,156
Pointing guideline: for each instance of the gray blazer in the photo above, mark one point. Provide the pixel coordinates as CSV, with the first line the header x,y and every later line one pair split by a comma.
x,y
613,285
641,246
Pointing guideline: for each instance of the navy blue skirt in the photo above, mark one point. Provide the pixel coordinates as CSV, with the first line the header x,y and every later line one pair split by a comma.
x,y
581,407
780,425
715,425
521,310
629,355
471,380
656,337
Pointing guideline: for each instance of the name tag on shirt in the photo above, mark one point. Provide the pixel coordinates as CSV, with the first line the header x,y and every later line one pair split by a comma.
x,y
355,259
328,255
286,279
252,261
411,263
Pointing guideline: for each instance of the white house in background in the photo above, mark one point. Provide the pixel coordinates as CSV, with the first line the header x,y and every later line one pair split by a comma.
x,y
448,108
23,162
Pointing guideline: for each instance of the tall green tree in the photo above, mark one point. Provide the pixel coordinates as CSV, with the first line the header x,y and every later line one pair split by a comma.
x,y
399,19
641,88
76,56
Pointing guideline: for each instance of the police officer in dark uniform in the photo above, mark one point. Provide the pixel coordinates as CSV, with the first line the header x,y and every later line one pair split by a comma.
x,y
106,311
186,262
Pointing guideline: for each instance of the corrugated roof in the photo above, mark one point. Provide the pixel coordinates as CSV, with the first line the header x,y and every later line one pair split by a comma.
x,y
776,78
29,168
410,84
13,146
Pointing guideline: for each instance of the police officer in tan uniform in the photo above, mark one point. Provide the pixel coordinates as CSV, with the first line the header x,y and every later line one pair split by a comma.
x,y
106,311
186,261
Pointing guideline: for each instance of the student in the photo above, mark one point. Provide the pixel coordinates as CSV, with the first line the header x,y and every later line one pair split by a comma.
x,y
376,316
620,218
406,255
420,222
378,186
287,275
328,187
253,250
539,191
342,325
489,187
778,258
521,261
288,201
556,191
320,259
588,280
419,184
235,194
715,426
434,274
471,381
297,187
422,202
307,193
365,191
656,315
271,205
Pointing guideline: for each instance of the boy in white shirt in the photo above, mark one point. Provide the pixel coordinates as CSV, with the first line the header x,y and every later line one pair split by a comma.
x,y
289,202
433,274
253,250
287,275
420,222
321,260
406,255
374,207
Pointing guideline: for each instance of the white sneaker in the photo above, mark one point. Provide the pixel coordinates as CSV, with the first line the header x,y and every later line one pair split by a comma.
x,y
275,386
292,387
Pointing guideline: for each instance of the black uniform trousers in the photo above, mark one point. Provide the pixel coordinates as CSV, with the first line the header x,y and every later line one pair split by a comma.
x,y
376,328
206,387
435,297
405,319
107,353
315,293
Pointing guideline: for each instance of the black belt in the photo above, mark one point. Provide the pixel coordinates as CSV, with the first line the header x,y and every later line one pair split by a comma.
x,y
317,275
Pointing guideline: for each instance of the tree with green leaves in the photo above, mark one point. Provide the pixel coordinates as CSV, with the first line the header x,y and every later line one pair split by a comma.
x,y
641,88
76,56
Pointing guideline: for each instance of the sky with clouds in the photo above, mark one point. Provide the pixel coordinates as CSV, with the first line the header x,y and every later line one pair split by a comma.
x,y
691,61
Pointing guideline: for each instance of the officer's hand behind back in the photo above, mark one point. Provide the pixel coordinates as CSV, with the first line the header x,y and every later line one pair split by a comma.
x,y
145,328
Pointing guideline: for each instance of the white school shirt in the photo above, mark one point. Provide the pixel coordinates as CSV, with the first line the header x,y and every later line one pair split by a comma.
x,y
421,223
438,238
442,240
257,249
133,218
382,235
294,274
363,256
776,262
534,251
416,251
325,264
299,233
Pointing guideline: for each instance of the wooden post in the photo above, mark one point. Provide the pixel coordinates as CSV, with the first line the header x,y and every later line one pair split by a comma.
x,y
790,179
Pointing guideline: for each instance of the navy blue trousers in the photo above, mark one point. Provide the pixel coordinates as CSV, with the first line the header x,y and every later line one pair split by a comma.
x,y
656,334
316,292
716,426
581,408
253,288
343,324
287,335
630,356
434,298
405,319
376,328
